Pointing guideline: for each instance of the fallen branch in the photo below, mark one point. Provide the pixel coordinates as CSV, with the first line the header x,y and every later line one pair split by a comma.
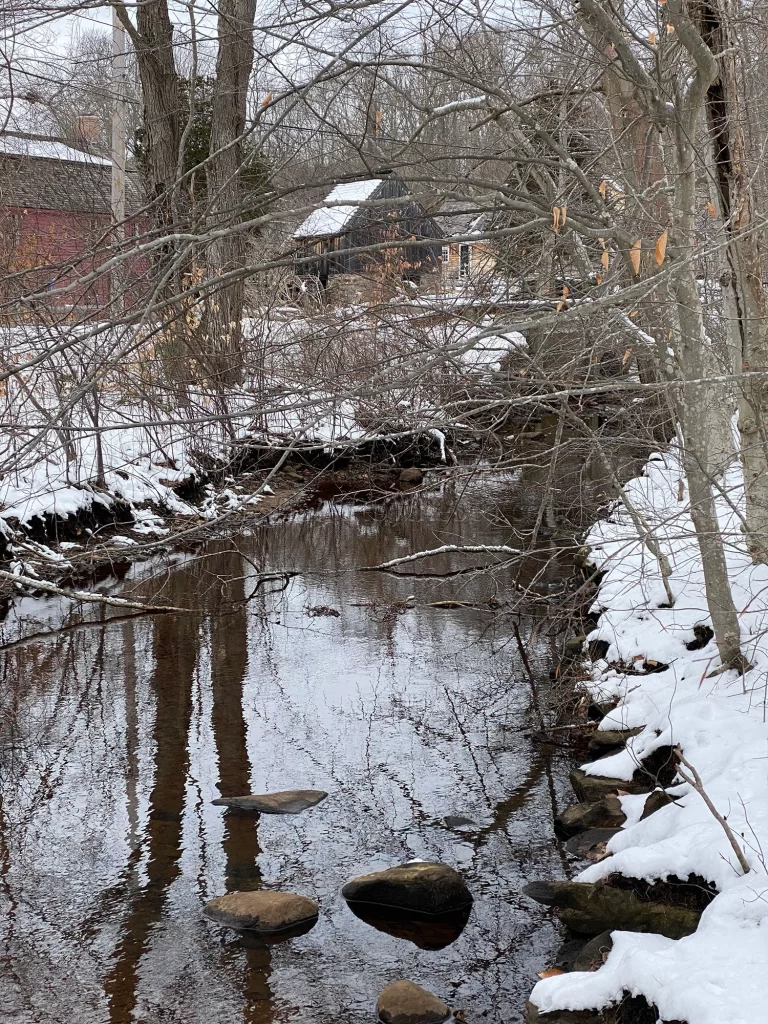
x,y
695,781
490,549
87,595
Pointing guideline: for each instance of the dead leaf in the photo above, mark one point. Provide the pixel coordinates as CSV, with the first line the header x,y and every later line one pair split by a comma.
x,y
267,100
556,219
680,489
563,213
566,291
559,305
634,256
711,209
661,247
598,278
670,28
622,792
603,188
652,38
627,357
553,972
634,313
602,242
605,259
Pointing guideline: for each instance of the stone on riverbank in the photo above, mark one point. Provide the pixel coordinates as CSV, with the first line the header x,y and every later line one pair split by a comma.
x,y
592,956
605,813
288,801
263,911
595,908
657,799
423,887
590,845
658,769
404,1002
603,741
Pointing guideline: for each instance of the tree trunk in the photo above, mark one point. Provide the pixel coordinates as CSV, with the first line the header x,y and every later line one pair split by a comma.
x,y
224,312
703,408
744,279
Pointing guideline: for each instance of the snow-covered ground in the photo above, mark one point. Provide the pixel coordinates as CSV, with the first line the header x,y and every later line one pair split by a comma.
x,y
718,975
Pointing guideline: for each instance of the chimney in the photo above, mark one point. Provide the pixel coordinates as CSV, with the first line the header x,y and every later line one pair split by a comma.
x,y
88,129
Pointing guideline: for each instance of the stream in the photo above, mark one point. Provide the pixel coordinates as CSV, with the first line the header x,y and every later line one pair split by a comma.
x,y
117,733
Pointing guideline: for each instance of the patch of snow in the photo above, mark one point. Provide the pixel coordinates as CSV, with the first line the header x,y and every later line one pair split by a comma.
x,y
47,150
331,219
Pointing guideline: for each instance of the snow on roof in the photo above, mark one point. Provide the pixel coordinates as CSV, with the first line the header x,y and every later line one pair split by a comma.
x,y
46,150
330,220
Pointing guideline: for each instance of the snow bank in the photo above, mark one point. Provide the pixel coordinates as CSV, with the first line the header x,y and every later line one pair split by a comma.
x,y
719,973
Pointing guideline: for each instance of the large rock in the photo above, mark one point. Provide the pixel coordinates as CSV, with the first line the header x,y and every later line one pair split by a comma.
x,y
592,909
591,788
288,801
264,912
605,813
422,887
404,1002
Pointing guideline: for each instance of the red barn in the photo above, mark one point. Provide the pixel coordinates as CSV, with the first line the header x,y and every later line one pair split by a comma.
x,y
55,217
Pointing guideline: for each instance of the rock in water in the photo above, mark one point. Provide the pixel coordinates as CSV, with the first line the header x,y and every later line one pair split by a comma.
x,y
423,887
289,801
264,912
407,1003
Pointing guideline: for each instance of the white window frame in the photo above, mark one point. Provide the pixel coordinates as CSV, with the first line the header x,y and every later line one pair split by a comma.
x,y
445,254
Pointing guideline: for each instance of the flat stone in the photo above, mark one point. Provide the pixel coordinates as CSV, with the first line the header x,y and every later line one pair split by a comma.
x,y
423,887
591,788
590,845
457,821
594,908
533,1016
288,801
404,1002
603,740
263,911
605,813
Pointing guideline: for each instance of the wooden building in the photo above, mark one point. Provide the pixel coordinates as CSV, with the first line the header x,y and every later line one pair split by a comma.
x,y
470,260
362,214
55,220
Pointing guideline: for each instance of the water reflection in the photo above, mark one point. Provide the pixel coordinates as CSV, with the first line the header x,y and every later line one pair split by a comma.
x,y
116,738
427,931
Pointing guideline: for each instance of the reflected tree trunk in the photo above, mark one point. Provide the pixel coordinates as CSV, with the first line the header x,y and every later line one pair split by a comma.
x,y
175,656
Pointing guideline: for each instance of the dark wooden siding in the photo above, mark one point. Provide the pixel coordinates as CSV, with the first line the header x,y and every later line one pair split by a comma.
x,y
404,221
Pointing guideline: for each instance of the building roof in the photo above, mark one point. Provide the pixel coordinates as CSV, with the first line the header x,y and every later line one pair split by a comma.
x,y
331,220
459,217
47,174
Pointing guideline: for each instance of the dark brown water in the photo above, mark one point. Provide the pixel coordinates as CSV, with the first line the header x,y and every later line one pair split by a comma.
x,y
116,738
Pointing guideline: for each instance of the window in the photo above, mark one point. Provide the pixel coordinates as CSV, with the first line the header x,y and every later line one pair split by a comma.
x,y
465,259
445,253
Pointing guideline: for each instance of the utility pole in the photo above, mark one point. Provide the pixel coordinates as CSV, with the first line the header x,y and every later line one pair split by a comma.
x,y
118,126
